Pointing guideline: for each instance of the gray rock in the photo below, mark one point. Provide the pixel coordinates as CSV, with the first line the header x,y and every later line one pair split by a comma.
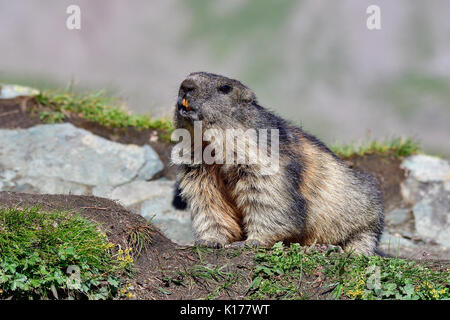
x,y
102,191
397,217
447,185
135,192
50,185
425,168
63,154
427,191
175,224
8,175
432,219
152,164
9,91
392,242
7,179
153,200
397,246
157,207
406,234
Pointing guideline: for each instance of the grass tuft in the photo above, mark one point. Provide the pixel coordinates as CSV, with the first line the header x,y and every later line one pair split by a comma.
x,y
398,147
139,238
57,255
99,108
219,277
283,273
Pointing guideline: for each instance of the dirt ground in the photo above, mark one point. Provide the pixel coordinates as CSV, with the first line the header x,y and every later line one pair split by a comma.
x,y
163,270
160,259
117,222
387,170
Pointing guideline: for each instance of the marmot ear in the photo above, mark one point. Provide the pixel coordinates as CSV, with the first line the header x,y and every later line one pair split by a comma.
x,y
248,96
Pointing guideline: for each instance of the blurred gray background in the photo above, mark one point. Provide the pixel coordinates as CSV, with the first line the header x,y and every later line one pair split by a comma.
x,y
313,62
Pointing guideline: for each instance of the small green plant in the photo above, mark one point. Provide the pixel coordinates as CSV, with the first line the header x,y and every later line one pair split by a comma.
x,y
51,117
97,107
280,271
57,255
398,147
393,278
217,276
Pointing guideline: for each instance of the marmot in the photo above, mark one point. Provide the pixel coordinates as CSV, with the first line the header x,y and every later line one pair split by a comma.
x,y
314,197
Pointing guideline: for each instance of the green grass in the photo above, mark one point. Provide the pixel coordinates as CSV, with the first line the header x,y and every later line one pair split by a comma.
x,y
219,276
282,273
295,272
96,107
398,147
38,250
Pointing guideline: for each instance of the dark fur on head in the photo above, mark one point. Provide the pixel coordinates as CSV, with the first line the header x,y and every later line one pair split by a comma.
x,y
211,102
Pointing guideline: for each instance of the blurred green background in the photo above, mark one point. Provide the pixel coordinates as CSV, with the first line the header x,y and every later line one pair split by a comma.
x,y
313,62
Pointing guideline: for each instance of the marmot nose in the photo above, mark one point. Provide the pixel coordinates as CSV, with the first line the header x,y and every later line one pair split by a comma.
x,y
187,85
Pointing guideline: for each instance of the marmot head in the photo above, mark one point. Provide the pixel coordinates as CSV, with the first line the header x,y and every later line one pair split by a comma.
x,y
211,98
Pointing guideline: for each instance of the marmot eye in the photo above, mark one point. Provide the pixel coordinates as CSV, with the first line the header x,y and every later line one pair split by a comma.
x,y
225,89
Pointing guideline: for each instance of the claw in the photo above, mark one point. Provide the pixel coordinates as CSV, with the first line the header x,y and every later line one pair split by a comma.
x,y
254,243
236,244
208,243
329,248
242,244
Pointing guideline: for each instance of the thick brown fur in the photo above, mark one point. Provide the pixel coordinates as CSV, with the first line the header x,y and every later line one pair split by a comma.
x,y
313,198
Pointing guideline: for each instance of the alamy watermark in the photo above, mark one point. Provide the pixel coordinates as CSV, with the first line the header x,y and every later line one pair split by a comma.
x,y
258,147
74,279
73,21
373,21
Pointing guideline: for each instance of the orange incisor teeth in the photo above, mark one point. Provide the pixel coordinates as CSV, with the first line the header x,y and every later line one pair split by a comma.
x,y
186,104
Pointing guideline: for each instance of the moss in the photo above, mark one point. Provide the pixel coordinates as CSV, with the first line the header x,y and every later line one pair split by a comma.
x,y
397,147
99,108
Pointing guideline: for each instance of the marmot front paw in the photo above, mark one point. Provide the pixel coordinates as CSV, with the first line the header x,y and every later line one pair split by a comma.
x,y
328,248
246,243
210,243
